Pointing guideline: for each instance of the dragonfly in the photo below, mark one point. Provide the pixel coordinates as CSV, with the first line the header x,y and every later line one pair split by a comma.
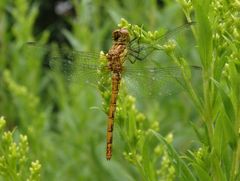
x,y
76,65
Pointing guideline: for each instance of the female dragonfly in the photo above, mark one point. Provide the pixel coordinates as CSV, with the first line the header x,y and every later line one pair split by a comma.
x,y
78,65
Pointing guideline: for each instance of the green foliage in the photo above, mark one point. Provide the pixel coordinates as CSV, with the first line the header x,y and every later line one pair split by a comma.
x,y
14,160
217,45
65,122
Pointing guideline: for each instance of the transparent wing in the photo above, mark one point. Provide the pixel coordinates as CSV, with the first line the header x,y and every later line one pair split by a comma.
x,y
150,82
74,66
174,32
79,67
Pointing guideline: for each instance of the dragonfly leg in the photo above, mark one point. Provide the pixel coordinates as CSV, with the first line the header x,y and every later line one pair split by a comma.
x,y
131,41
142,58
132,61
135,58
136,53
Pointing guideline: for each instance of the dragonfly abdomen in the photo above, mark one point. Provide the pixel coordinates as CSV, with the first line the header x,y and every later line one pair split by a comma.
x,y
111,114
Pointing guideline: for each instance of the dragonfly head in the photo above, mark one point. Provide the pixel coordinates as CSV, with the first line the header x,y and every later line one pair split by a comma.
x,y
121,35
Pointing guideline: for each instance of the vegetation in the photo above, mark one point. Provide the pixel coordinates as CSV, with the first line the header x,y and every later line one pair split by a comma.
x,y
14,160
191,135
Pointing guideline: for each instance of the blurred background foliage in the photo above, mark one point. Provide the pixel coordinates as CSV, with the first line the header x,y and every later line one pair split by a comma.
x,y
65,134
65,125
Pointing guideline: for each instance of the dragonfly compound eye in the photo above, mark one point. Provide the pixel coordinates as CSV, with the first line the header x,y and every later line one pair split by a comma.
x,y
121,35
116,34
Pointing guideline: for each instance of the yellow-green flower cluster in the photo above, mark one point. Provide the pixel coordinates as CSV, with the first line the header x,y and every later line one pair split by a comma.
x,y
138,33
14,157
166,172
35,171
104,84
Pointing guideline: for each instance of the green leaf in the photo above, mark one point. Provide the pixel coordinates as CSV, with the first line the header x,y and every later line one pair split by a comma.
x,y
147,160
72,40
202,174
227,122
204,32
200,136
215,161
227,103
220,140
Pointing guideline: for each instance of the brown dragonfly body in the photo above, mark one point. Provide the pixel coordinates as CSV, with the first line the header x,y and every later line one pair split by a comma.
x,y
115,58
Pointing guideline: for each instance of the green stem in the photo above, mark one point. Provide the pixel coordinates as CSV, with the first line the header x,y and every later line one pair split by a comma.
x,y
208,118
233,169
236,152
208,90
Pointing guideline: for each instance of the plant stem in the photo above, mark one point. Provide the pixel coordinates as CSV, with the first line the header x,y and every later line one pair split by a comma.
x,y
236,152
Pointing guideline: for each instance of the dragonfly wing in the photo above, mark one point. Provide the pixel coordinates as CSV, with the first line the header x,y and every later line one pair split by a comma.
x,y
75,66
174,32
153,82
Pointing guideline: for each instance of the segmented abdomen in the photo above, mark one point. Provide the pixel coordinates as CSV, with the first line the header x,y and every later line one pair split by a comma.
x,y
116,78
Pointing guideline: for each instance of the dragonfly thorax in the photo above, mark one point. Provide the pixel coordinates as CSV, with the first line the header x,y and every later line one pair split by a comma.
x,y
118,51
